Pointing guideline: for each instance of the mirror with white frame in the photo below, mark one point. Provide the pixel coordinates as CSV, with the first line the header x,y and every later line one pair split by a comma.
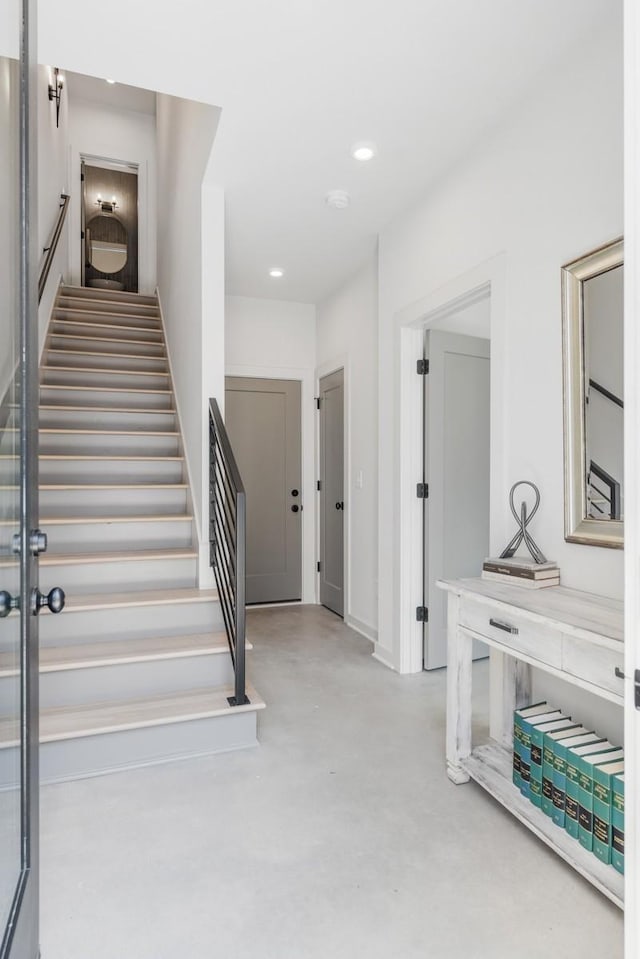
x,y
592,320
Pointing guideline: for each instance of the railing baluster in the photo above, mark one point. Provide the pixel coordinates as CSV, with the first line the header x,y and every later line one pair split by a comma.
x,y
227,543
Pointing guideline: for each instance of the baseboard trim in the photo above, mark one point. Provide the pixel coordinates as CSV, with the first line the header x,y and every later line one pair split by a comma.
x,y
382,656
369,632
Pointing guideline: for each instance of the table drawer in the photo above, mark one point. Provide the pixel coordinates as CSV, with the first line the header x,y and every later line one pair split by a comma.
x,y
514,631
594,663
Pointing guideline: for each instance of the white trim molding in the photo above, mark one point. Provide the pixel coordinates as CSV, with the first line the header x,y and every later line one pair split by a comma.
x,y
487,279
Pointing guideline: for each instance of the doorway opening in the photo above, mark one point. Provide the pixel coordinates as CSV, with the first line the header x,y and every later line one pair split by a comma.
x,y
109,230
456,487
331,489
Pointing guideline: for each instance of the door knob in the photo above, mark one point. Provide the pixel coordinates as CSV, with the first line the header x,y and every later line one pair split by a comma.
x,y
339,505
295,508
7,603
54,600
294,492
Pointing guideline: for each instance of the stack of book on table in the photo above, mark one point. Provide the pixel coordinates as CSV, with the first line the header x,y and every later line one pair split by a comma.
x,y
572,775
520,571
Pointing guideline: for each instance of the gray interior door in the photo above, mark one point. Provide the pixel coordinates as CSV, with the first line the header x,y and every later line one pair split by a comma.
x,y
263,421
456,444
18,506
332,503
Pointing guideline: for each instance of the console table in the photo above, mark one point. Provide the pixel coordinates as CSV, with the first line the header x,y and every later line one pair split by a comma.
x,y
575,636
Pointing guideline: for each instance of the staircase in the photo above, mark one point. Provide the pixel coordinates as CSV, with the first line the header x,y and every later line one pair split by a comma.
x,y
136,669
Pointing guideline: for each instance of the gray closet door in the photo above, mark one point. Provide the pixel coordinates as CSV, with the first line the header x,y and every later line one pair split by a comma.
x,y
456,516
332,492
263,421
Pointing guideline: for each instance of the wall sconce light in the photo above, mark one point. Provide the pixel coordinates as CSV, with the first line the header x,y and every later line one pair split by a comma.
x,y
106,206
55,91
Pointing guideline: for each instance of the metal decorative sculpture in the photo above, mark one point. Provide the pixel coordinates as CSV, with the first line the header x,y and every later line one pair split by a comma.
x,y
523,521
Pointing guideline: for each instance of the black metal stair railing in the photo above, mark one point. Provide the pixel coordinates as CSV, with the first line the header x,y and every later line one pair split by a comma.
x,y
603,503
227,542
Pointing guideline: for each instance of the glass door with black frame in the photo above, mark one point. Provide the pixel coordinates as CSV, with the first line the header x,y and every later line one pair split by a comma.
x,y
18,407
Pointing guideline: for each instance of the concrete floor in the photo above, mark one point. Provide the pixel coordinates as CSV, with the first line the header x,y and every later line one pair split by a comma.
x,y
340,836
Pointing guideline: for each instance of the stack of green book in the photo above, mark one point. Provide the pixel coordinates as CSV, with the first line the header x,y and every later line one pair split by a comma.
x,y
520,716
574,776
617,823
603,807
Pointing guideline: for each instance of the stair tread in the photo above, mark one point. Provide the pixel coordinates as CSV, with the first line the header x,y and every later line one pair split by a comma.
x,y
112,339
100,456
101,371
102,389
105,326
106,486
85,432
102,409
80,603
85,311
116,652
116,518
55,558
68,289
72,722
126,356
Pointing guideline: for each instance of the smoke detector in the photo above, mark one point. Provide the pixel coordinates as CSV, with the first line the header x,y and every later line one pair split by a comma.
x,y
337,199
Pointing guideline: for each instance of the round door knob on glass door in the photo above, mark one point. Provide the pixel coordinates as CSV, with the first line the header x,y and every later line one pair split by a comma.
x,y
54,600
7,603
339,505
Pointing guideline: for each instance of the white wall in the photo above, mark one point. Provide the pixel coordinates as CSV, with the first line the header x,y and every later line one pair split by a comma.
x,y
190,282
543,189
53,179
277,340
129,137
347,336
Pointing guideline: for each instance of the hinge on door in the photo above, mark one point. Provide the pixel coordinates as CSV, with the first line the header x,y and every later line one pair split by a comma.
x,y
317,402
422,491
318,566
422,367
422,614
318,485
82,177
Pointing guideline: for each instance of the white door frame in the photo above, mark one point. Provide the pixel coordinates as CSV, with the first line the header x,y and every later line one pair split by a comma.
x,y
412,322
305,378
632,470
340,362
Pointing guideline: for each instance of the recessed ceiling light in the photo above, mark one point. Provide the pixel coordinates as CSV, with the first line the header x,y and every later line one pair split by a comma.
x,y
276,272
363,151
111,81
338,199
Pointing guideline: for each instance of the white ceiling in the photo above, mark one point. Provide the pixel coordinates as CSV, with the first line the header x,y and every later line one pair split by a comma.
x,y
299,81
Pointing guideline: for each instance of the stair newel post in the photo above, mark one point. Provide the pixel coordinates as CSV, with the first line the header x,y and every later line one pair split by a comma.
x,y
241,534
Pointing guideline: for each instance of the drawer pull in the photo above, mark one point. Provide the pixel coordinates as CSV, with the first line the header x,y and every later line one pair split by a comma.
x,y
505,626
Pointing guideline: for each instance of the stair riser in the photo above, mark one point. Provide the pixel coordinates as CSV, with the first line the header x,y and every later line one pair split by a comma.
x,y
100,344
176,534
106,361
92,755
120,399
58,471
73,687
112,296
106,444
119,577
101,625
105,331
128,379
145,321
150,421
112,502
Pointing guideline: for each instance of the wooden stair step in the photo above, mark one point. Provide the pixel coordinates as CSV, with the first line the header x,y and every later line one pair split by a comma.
x,y
117,652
